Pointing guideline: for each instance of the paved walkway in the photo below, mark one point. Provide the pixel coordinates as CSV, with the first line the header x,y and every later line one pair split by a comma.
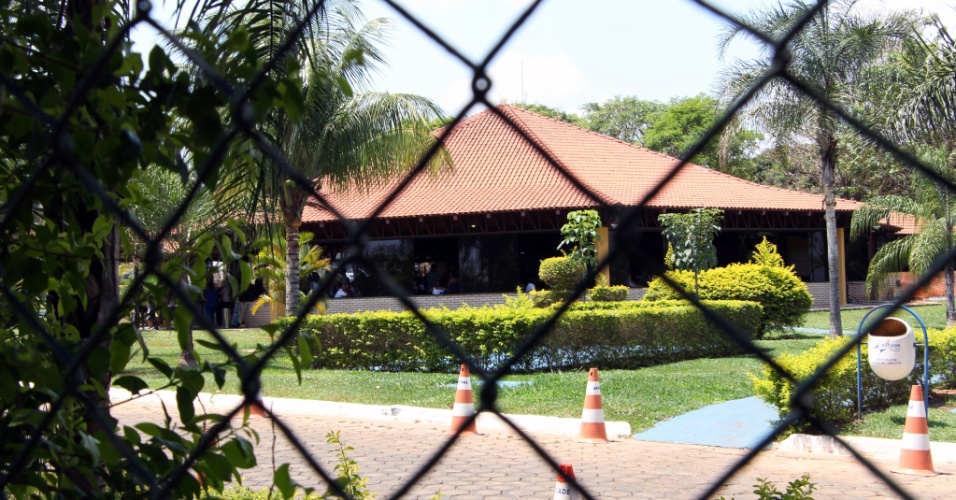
x,y
390,446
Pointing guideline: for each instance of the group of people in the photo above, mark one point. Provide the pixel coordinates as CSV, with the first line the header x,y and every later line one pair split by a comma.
x,y
435,282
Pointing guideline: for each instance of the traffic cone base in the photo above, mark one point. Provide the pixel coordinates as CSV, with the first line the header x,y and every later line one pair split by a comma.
x,y
563,489
592,417
258,409
915,456
464,405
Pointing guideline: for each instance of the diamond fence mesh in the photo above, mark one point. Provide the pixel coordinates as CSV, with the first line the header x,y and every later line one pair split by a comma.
x,y
240,129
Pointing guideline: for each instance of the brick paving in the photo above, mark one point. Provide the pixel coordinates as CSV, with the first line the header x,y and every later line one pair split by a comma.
x,y
498,464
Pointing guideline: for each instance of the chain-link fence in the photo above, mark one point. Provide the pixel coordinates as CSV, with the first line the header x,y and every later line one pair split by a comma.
x,y
75,324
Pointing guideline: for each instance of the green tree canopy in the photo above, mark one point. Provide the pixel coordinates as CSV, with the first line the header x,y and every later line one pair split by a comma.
x,y
626,118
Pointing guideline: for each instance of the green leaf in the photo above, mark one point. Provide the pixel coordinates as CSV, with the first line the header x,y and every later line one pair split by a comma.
x,y
297,366
120,353
98,361
305,350
131,383
184,400
245,275
219,375
215,346
91,445
239,452
162,366
284,482
219,466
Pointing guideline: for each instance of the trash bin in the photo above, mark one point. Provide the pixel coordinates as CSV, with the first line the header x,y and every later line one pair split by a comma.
x,y
891,349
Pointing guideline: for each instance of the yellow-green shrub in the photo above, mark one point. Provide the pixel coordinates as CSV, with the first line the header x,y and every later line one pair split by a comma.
x,y
632,335
834,395
942,355
603,293
784,297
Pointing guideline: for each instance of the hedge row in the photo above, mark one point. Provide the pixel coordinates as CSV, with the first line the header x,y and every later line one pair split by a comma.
x,y
835,394
623,337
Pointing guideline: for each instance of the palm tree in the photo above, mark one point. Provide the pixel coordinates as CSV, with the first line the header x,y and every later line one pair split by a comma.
x,y
272,269
828,55
345,137
351,141
934,209
925,97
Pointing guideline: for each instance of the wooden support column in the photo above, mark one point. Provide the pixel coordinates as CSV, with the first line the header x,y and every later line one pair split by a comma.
x,y
841,252
602,251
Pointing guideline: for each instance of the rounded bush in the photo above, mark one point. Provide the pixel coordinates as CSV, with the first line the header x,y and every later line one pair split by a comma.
x,y
784,297
561,273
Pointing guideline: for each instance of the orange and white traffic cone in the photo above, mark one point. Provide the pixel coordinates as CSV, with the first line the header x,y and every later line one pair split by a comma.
x,y
592,418
464,405
915,457
259,407
562,489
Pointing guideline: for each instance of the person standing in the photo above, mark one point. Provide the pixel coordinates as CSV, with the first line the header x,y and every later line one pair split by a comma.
x,y
225,302
210,297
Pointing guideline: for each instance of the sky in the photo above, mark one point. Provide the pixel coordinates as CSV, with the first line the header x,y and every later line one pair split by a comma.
x,y
571,52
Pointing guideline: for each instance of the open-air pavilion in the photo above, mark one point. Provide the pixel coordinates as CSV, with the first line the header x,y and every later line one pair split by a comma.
x,y
498,211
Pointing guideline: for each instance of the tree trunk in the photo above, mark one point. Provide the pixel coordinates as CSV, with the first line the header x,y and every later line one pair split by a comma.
x,y
108,301
828,146
292,268
186,358
291,203
950,295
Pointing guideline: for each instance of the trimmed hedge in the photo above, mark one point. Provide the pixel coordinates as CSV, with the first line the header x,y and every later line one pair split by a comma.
x,y
603,293
784,297
942,356
834,395
623,337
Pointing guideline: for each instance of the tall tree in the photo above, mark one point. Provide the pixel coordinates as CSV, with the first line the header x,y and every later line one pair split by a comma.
x,y
827,55
627,118
685,120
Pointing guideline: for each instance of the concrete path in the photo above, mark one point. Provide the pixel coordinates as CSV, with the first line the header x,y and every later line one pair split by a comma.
x,y
498,464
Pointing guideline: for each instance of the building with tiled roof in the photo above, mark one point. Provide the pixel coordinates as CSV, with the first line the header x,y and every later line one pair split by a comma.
x,y
516,175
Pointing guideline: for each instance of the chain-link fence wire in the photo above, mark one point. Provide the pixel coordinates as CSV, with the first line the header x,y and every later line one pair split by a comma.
x,y
243,127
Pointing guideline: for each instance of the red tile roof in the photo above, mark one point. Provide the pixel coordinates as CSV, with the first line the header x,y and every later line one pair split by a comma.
x,y
902,224
496,170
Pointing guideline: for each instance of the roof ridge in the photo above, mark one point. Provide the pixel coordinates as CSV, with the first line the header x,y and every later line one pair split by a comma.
x,y
513,113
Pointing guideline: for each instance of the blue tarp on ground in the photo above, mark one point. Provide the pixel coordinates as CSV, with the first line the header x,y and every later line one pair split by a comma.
x,y
741,423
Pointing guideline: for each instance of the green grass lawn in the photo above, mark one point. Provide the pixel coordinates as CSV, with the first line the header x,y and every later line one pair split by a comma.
x,y
934,316
640,397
